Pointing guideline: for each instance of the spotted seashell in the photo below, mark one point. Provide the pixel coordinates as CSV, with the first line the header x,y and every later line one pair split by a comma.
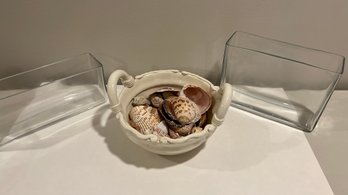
x,y
156,99
198,95
168,117
140,100
144,118
183,110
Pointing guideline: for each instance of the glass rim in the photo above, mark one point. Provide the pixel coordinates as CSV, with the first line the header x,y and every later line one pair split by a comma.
x,y
342,58
99,66
54,63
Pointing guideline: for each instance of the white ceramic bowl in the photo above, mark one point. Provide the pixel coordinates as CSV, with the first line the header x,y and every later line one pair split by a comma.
x,y
148,83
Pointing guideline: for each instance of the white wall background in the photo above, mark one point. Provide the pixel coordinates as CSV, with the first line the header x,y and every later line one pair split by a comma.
x,y
153,34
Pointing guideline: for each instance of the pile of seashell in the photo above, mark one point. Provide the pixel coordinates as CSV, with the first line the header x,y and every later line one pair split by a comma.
x,y
171,113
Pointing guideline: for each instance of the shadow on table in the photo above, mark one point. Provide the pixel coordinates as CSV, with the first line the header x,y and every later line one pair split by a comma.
x,y
109,127
250,143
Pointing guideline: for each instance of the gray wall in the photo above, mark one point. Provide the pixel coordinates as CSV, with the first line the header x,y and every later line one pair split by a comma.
x,y
145,35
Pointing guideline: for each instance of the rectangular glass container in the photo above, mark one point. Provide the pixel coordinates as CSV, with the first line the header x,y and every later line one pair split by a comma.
x,y
33,99
280,81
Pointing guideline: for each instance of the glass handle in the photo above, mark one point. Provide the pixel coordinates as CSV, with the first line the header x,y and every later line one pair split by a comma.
x,y
127,81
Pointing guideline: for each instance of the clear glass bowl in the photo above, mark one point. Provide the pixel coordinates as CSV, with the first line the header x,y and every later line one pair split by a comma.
x,y
45,95
280,81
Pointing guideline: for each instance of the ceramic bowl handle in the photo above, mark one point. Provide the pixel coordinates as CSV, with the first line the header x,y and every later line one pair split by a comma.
x,y
226,91
127,81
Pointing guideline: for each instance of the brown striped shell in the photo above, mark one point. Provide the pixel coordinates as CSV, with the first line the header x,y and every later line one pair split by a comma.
x,y
144,118
181,109
172,123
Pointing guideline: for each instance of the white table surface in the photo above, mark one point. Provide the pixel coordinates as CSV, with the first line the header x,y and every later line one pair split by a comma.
x,y
88,154
329,142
